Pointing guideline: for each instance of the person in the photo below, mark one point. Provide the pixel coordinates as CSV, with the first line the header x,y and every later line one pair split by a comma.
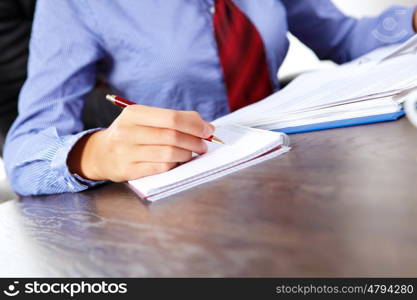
x,y
184,62
15,26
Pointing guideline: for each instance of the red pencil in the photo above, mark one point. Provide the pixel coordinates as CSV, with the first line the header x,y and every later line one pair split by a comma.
x,y
121,102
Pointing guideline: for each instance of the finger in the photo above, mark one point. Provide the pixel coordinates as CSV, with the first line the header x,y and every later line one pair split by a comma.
x,y
145,153
142,135
140,170
189,122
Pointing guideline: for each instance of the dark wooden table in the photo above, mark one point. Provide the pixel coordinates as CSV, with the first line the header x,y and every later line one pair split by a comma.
x,y
343,202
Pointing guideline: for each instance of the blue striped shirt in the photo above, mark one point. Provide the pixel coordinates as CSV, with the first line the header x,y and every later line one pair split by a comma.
x,y
161,52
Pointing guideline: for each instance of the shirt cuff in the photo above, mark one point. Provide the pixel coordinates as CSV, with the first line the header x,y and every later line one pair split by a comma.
x,y
74,182
395,25
407,21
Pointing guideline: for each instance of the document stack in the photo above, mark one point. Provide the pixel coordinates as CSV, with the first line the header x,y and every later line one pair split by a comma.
x,y
370,89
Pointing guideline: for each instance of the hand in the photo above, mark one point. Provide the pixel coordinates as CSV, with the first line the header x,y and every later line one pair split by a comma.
x,y
142,141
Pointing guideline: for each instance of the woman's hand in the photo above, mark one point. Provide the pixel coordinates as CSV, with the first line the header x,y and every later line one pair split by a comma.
x,y
142,141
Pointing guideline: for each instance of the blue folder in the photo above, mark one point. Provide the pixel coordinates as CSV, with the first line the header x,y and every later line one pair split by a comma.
x,y
343,123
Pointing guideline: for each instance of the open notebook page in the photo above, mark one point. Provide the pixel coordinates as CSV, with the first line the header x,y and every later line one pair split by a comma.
x,y
342,83
242,146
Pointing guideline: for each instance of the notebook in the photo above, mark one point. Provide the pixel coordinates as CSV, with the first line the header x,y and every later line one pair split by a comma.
x,y
369,89
243,147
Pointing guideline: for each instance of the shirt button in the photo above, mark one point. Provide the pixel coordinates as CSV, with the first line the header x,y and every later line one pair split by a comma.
x,y
212,9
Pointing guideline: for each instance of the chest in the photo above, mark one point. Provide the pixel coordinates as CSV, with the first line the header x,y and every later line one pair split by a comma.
x,y
156,37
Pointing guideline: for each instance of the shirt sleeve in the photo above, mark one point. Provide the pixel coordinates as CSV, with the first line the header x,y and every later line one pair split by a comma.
x,y
61,71
332,35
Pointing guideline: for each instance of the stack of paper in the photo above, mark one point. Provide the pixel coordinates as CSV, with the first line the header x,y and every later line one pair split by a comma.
x,y
243,147
367,90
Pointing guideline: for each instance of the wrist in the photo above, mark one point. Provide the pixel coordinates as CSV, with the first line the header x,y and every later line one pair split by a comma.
x,y
84,158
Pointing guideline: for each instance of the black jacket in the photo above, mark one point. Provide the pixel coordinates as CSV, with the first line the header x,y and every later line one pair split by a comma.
x,y
15,26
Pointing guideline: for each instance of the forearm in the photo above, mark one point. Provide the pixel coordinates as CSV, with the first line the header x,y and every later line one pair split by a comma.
x,y
36,163
396,25
415,20
61,72
333,35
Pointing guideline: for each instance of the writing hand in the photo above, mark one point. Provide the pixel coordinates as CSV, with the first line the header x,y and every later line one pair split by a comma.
x,y
142,141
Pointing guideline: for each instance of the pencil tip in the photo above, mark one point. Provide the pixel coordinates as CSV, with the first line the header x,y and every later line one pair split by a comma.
x,y
217,140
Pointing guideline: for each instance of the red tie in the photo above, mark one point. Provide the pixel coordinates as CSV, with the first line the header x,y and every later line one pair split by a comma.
x,y
242,56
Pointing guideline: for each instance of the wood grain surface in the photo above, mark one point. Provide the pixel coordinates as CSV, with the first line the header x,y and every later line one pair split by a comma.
x,y
343,202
